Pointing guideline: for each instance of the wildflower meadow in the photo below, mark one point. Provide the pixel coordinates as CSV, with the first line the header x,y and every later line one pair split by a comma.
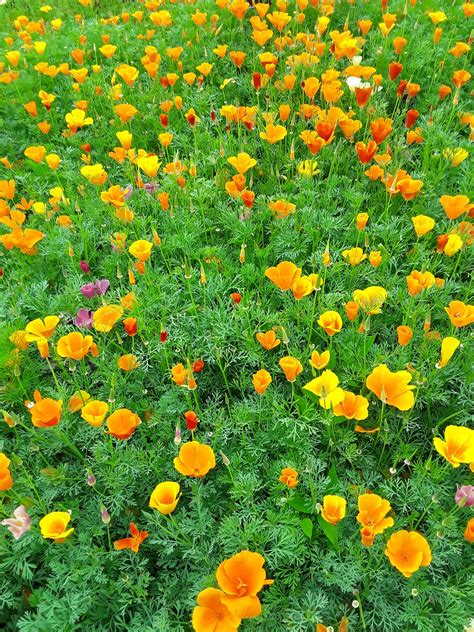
x,y
236,306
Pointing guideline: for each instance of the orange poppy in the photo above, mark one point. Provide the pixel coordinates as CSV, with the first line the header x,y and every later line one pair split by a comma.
x,y
122,423
132,543
407,551
393,389
283,275
261,380
44,412
195,459
241,577
289,477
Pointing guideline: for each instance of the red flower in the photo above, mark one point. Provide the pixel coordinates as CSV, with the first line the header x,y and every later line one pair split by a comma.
x,y
394,69
198,366
130,325
412,116
257,80
191,420
236,297
134,542
163,336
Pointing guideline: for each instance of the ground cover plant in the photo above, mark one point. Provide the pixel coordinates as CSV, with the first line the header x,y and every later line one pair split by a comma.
x,y
236,306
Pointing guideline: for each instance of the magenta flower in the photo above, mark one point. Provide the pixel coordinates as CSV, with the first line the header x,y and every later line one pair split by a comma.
x,y
19,524
84,266
465,496
98,288
83,318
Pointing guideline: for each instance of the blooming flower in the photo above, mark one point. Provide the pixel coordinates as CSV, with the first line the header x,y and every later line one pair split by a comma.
x,y
291,367
331,322
372,516
54,526
165,497
132,543
458,445
333,509
241,577
392,388
211,613
289,477
195,459
268,340
261,381
283,275
44,412
326,386
407,551
122,423
19,524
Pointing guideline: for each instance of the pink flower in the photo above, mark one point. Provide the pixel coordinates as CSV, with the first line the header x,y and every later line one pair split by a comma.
x,y
83,318
20,524
465,496
84,266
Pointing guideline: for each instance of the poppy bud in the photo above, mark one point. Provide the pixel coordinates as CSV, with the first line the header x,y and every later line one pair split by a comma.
x,y
84,266
130,325
164,120
104,514
163,336
191,420
177,435
213,115
257,80
236,297
198,366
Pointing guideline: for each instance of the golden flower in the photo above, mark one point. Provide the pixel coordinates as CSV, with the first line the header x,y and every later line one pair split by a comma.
x,y
448,347
458,445
242,162
122,423
331,322
261,380
105,317
282,208
94,412
268,340
128,362
354,256
460,314
283,275
371,299
165,497
422,224
419,281
54,526
320,360
195,459
291,367
333,509
352,407
326,387
141,249
392,388
289,477
76,346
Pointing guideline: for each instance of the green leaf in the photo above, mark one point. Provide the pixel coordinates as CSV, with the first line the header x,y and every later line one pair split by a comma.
x,y
330,531
307,527
333,475
300,503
